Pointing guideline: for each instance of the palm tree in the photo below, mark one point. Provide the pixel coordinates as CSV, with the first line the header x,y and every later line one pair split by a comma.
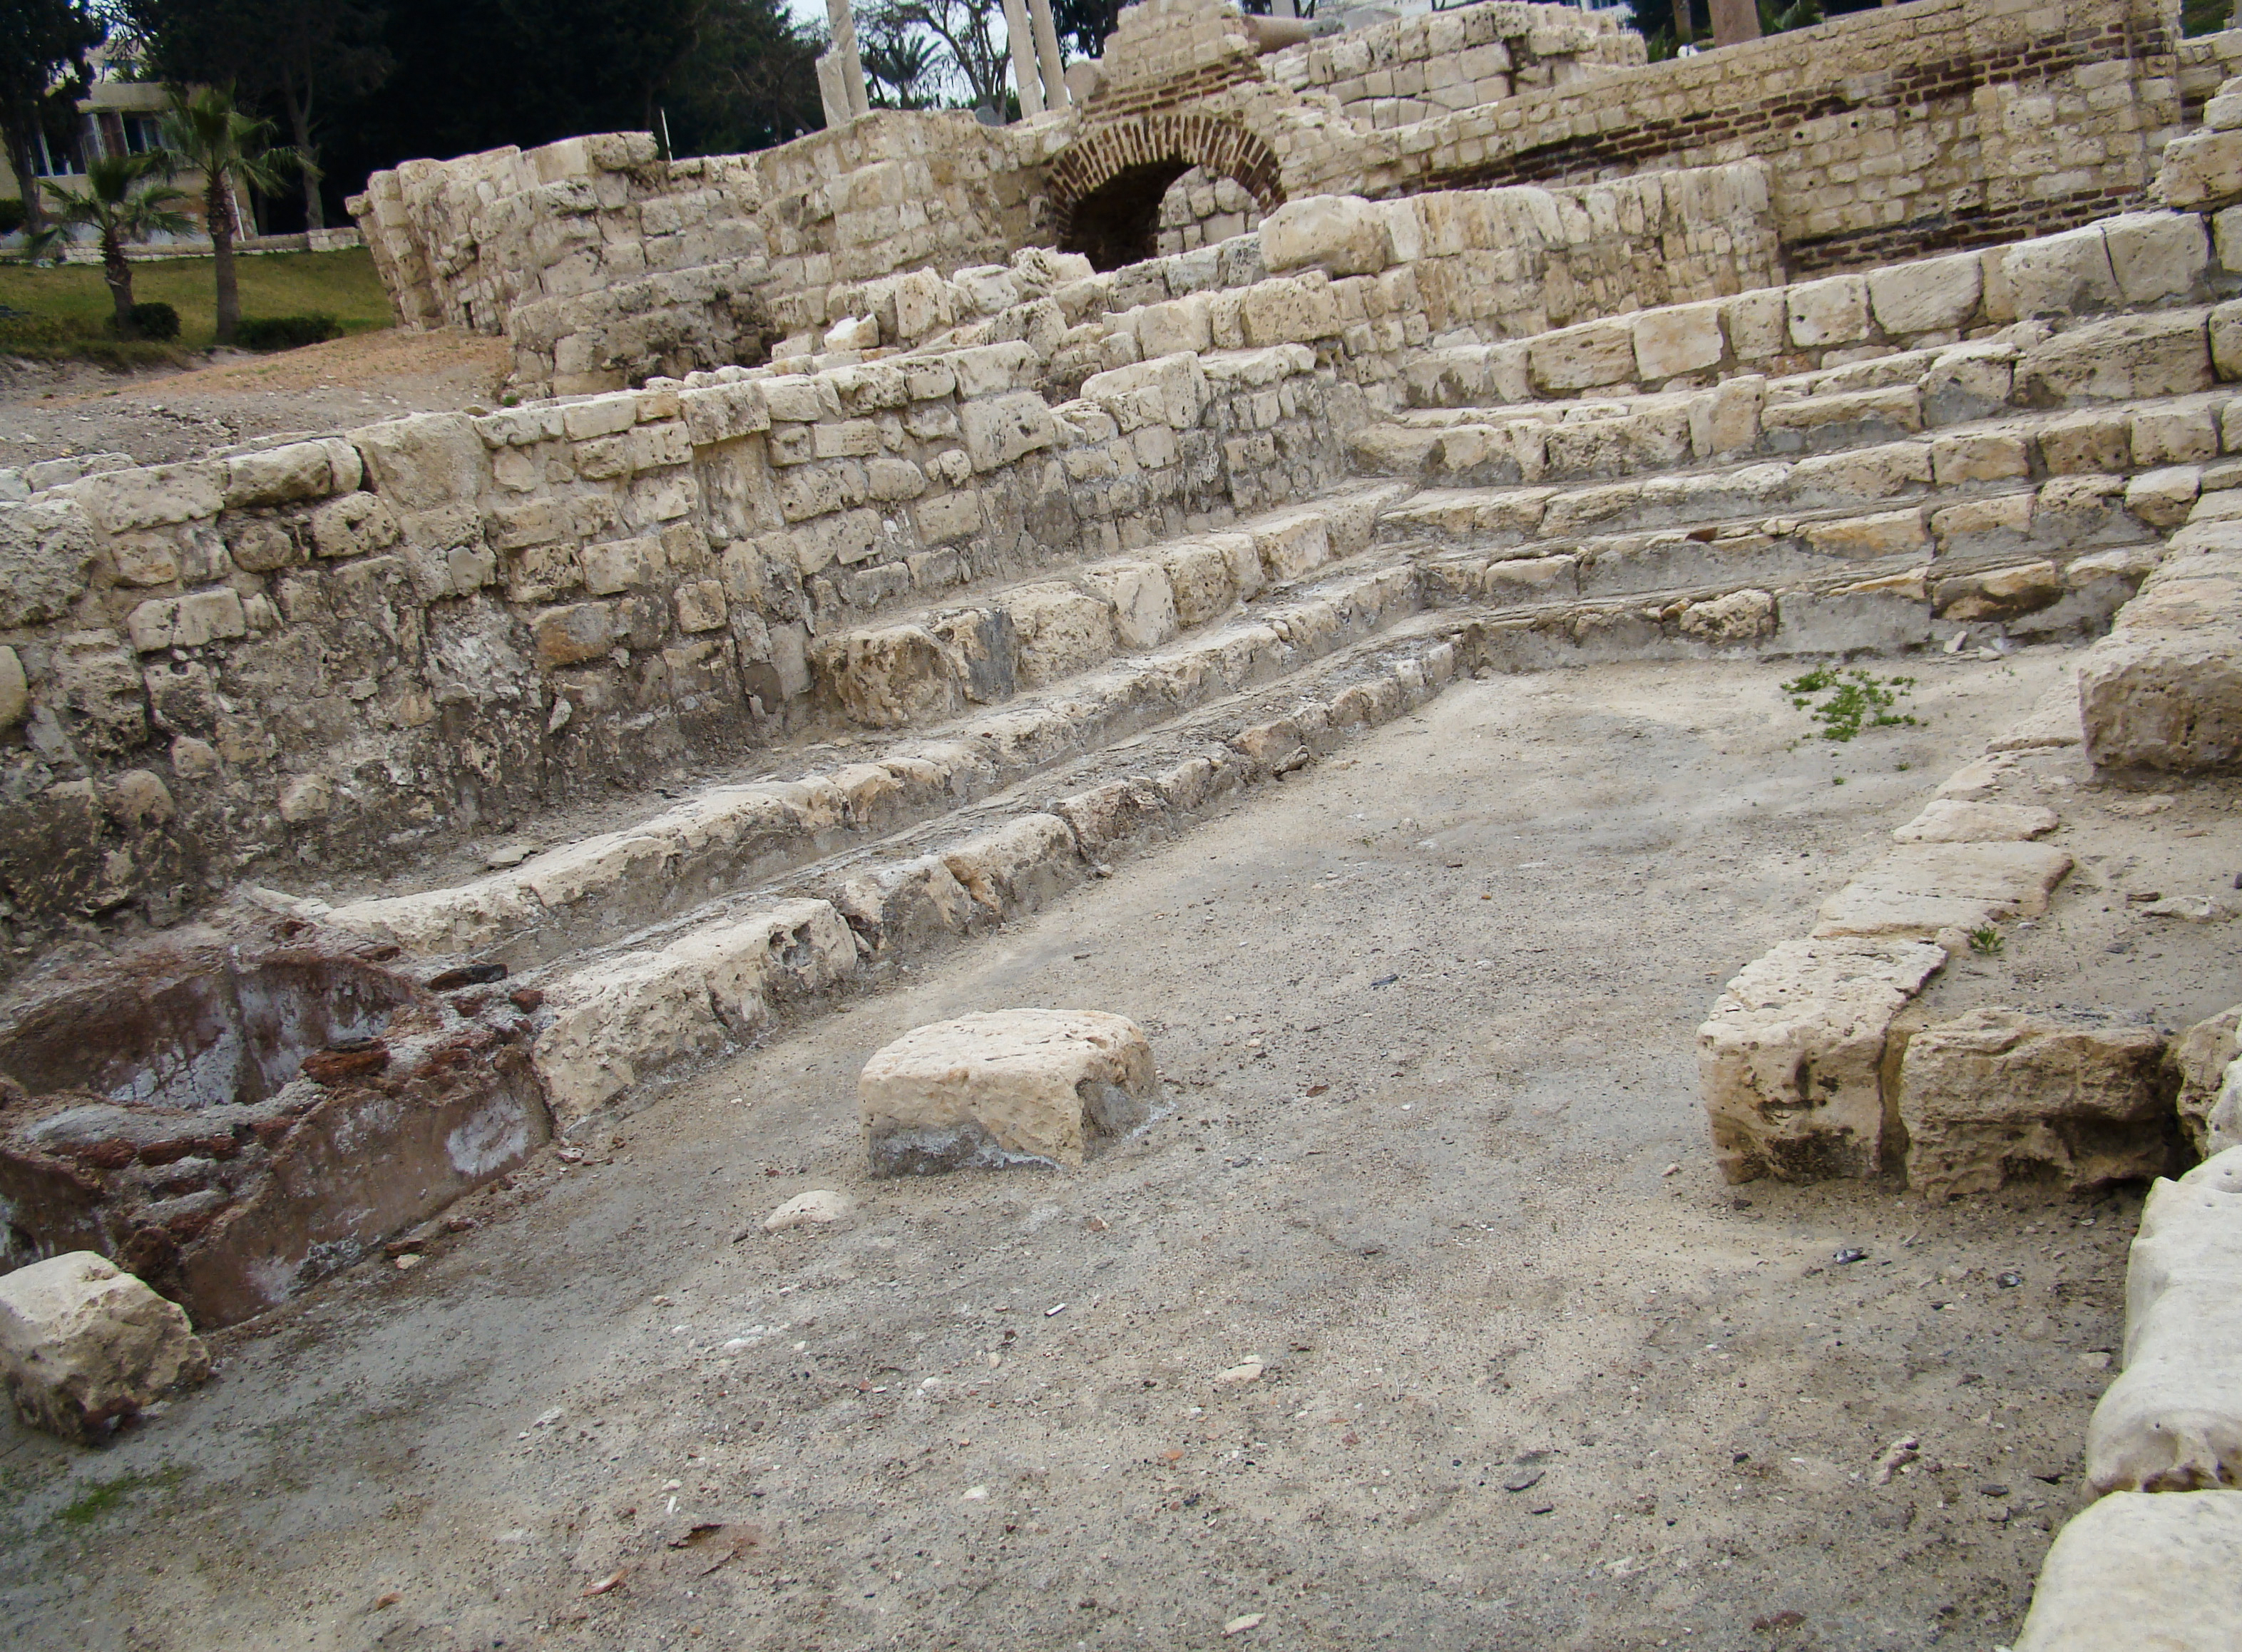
x,y
118,206
202,131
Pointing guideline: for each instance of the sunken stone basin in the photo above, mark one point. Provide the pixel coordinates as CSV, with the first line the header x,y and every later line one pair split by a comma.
x,y
239,1110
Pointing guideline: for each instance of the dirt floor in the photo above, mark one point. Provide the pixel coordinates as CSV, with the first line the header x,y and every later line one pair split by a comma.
x,y
1529,1374
58,410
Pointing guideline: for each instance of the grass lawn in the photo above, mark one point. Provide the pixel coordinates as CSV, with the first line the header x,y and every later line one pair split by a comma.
x,y
342,284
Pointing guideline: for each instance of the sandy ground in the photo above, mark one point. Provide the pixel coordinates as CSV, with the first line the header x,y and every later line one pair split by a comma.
x,y
1530,1375
59,410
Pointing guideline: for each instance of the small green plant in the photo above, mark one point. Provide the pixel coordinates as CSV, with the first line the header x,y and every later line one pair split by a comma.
x,y
1837,780
155,319
286,331
1850,700
1988,942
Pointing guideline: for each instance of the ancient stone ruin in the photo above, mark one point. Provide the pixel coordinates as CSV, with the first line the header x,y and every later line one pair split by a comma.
x,y
983,502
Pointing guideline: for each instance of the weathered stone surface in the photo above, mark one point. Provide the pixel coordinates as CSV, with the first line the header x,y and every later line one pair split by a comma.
x,y
1790,1063
1003,1088
1997,1095
2141,1570
2127,356
2163,689
85,1346
1952,820
1932,294
1923,889
2172,1422
2201,1060
820,1207
1341,234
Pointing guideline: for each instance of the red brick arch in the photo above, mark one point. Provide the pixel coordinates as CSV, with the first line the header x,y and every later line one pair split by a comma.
x,y
1105,187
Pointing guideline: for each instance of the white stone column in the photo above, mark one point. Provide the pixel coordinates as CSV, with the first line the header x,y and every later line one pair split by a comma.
x,y
1021,38
1054,71
833,89
852,63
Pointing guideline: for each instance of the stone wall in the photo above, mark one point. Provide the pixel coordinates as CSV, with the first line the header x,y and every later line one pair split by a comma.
x,y
340,651
1940,124
1201,209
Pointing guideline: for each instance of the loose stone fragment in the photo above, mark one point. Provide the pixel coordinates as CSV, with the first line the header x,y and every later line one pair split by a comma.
x,y
1008,1087
85,1346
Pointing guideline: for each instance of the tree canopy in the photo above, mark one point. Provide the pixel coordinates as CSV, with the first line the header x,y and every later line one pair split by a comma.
x,y
45,52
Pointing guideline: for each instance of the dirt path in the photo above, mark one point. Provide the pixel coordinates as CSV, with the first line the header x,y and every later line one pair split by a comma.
x,y
1425,1016
56,411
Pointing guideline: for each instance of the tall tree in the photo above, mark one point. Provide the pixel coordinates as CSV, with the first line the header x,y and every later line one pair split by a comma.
x,y
751,82
205,132
970,48
281,57
119,204
1085,23
45,50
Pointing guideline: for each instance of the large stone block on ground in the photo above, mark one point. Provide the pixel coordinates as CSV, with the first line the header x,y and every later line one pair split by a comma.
x,y
1924,890
1791,1062
85,1346
2138,1570
2172,1422
1999,1095
2163,689
1007,1087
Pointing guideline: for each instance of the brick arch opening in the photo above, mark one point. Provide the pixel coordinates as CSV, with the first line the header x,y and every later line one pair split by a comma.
x,y
1107,186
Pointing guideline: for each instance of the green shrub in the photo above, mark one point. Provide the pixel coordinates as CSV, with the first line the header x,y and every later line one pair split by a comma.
x,y
11,214
286,331
152,320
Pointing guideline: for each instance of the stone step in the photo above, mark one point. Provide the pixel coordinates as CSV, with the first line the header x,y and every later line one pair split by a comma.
x,y
686,986
1647,436
683,855
914,668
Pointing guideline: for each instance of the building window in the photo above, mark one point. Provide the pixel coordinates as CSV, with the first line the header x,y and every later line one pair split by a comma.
x,y
143,133
52,159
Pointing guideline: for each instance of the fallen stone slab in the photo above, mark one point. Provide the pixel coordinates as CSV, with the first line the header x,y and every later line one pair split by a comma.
x,y
1953,820
2172,1421
1790,1063
819,1207
86,1347
2143,1571
1004,1087
1999,1094
1921,890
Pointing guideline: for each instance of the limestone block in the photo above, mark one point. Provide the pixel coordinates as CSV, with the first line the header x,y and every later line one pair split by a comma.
x,y
1142,602
1866,538
46,556
1968,381
1017,867
1998,1094
2200,1059
1790,1062
1987,456
1921,889
891,676
2141,1571
15,691
2123,359
1596,352
1758,323
1173,390
721,412
1288,310
915,900
797,948
1000,429
1059,631
1342,234
2172,1422
2163,689
991,369
1680,339
2174,435
2060,275
1003,1088
990,289
1998,593
86,1347
1291,543
617,1022
121,502
572,635
1954,819
2156,255
280,475
2201,170
1834,310
2087,444
1739,617
1178,326
426,460
2163,497
1199,577
186,621
1931,295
